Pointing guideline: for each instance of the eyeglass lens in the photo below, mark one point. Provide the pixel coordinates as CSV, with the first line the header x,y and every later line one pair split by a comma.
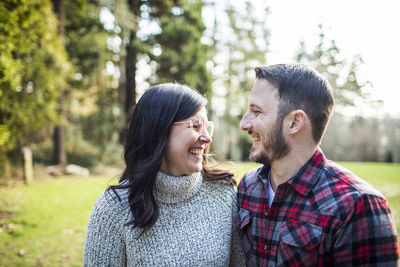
x,y
198,126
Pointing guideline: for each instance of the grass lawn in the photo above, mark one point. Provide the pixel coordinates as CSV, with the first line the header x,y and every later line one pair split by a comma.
x,y
48,221
44,224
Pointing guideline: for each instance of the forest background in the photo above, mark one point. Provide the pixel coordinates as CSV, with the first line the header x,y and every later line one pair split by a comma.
x,y
72,71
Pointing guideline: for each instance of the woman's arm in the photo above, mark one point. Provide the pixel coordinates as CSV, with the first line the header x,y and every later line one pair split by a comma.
x,y
237,257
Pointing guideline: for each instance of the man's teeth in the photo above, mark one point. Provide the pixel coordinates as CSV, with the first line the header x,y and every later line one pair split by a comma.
x,y
196,151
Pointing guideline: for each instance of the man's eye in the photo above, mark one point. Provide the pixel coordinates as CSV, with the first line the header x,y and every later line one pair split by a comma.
x,y
256,112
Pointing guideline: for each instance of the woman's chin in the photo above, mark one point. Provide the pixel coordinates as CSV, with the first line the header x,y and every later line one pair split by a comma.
x,y
196,168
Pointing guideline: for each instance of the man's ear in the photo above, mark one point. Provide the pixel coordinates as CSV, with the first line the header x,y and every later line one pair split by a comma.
x,y
296,120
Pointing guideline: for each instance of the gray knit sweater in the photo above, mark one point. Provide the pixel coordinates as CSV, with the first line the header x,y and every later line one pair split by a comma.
x,y
195,227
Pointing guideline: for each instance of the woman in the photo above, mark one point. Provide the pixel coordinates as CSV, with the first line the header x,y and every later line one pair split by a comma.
x,y
169,208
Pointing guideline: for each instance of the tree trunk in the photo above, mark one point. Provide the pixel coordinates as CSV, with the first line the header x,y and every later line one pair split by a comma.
x,y
59,156
131,59
129,83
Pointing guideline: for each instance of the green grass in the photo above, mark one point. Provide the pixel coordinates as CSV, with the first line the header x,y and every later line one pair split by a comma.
x,y
48,221
44,224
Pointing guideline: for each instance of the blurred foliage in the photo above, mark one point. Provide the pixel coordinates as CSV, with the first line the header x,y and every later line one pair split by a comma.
x,y
184,56
239,46
366,139
112,50
95,98
86,38
165,36
33,66
326,58
371,139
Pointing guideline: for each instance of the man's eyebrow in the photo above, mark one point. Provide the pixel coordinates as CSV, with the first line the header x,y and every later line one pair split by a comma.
x,y
255,106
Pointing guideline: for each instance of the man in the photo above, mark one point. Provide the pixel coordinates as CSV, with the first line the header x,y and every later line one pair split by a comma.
x,y
301,209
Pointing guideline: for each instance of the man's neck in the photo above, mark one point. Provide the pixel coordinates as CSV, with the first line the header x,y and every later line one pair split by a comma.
x,y
284,169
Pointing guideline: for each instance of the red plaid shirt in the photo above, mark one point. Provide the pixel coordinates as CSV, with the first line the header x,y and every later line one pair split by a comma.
x,y
323,216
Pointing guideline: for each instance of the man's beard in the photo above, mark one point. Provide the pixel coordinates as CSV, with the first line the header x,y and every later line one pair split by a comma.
x,y
276,146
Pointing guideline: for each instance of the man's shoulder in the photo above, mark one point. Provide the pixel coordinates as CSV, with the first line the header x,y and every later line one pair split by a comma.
x,y
351,180
338,192
346,182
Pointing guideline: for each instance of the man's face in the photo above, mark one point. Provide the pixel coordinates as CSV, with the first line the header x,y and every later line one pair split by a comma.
x,y
263,125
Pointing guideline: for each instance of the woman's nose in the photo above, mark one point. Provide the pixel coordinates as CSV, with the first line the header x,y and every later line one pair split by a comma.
x,y
205,137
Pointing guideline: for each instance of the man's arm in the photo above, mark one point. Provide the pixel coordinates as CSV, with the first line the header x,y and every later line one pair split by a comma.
x,y
369,236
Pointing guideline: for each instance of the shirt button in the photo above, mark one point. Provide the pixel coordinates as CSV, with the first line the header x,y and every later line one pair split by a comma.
x,y
266,247
266,213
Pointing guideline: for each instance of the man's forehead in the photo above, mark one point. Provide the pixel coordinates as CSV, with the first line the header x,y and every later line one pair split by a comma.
x,y
263,88
264,84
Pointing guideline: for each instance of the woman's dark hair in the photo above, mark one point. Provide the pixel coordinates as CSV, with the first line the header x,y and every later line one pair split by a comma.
x,y
146,140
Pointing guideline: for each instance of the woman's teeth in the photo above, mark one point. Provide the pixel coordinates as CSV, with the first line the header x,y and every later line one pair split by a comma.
x,y
196,151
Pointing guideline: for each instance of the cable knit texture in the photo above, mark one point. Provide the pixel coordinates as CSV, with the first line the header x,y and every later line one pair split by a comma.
x,y
195,227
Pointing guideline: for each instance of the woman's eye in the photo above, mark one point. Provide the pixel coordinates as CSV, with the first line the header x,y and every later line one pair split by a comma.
x,y
196,125
256,112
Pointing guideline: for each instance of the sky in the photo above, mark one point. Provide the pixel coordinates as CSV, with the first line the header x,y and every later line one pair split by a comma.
x,y
359,27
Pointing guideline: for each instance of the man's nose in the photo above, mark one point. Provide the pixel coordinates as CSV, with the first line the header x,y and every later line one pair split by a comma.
x,y
245,123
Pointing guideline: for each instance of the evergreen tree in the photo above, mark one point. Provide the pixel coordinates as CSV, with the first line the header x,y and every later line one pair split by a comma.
x,y
96,93
33,67
239,47
183,55
343,76
127,14
348,92
59,154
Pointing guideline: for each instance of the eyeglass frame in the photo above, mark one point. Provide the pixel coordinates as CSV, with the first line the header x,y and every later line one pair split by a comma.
x,y
205,125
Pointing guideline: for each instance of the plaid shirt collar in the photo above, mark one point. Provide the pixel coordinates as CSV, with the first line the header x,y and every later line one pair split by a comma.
x,y
304,180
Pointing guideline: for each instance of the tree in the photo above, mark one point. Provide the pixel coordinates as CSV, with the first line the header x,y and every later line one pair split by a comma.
x,y
183,56
33,67
348,92
59,154
239,47
342,75
91,120
181,29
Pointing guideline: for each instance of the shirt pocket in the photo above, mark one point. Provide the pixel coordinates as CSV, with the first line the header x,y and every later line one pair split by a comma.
x,y
299,241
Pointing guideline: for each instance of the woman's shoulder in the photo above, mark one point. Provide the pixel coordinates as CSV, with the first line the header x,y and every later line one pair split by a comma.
x,y
219,184
220,188
112,201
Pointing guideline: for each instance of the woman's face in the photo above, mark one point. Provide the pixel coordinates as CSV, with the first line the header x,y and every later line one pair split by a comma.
x,y
186,145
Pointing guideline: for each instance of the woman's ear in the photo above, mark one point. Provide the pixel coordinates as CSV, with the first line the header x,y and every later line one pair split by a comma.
x,y
296,120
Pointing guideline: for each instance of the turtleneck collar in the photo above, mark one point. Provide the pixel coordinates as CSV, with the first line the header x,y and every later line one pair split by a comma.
x,y
174,189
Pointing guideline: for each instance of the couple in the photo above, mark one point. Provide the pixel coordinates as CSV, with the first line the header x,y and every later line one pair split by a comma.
x,y
299,209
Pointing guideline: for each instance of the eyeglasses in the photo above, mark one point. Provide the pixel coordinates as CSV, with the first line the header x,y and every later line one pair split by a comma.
x,y
198,125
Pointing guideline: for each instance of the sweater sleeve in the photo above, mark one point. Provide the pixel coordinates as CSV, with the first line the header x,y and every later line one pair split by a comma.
x,y
237,257
104,243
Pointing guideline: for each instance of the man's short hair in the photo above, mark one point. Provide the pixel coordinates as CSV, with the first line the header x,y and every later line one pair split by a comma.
x,y
301,87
